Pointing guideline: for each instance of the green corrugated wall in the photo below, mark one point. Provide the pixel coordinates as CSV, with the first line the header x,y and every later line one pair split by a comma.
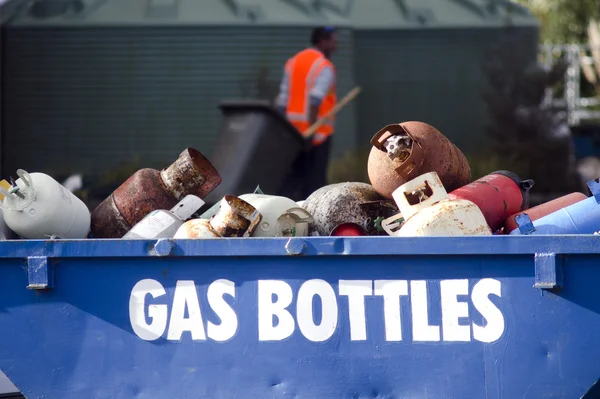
x,y
83,99
433,75
84,93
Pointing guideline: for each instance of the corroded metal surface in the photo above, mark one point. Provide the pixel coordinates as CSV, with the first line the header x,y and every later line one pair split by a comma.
x,y
107,221
148,190
341,203
446,218
196,229
191,173
141,194
235,218
393,162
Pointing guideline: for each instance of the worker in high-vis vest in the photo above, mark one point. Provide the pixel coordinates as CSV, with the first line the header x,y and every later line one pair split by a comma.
x,y
307,93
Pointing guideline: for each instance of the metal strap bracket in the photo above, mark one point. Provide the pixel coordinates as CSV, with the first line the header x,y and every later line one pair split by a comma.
x,y
525,224
548,271
39,273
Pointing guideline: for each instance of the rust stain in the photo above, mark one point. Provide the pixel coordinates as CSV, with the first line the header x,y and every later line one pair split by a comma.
x,y
148,190
107,221
191,173
235,218
141,194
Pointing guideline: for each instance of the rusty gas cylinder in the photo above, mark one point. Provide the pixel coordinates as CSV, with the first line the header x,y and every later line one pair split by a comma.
x,y
148,190
348,230
404,151
235,218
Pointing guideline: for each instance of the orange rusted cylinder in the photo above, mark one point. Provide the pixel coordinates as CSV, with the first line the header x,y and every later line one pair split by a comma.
x,y
403,151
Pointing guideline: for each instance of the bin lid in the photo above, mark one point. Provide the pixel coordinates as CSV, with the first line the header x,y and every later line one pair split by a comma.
x,y
256,105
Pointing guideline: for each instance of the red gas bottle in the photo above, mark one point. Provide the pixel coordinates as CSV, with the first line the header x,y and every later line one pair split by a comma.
x,y
348,229
498,195
538,212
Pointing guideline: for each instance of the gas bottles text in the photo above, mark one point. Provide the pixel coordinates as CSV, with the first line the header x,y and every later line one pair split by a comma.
x,y
355,310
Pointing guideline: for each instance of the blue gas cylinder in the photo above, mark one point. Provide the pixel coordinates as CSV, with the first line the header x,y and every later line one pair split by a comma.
x,y
582,217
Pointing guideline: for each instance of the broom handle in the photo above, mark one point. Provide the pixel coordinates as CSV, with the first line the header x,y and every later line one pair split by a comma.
x,y
334,110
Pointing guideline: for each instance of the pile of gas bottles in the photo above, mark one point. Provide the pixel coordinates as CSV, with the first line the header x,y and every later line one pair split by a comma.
x,y
420,186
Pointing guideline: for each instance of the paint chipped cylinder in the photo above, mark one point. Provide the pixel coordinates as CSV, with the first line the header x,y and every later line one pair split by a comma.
x,y
148,190
191,173
235,218
404,151
424,203
498,195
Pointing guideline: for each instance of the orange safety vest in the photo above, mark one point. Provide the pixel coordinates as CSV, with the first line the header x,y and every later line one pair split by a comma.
x,y
302,70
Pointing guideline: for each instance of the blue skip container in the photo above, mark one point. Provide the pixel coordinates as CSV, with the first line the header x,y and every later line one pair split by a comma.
x,y
498,317
582,217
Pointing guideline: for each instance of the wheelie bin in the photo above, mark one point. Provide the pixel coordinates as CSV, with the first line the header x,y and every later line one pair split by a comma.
x,y
257,146
499,317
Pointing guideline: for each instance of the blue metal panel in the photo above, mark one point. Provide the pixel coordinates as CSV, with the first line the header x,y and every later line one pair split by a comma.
x,y
460,318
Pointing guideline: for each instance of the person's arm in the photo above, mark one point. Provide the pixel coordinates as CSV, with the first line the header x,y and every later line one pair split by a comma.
x,y
322,85
282,98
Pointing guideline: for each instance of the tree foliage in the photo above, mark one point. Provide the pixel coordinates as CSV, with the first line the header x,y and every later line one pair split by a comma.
x,y
563,21
528,139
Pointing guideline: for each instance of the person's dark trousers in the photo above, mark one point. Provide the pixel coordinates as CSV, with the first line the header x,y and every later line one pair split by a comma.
x,y
317,163
308,173
293,185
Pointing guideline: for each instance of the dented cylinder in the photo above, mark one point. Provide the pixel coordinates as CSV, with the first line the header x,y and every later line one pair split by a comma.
x,y
403,151
498,195
148,190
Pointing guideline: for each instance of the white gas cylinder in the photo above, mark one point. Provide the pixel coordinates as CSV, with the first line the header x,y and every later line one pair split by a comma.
x,y
5,232
38,207
281,217
424,204
3,227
